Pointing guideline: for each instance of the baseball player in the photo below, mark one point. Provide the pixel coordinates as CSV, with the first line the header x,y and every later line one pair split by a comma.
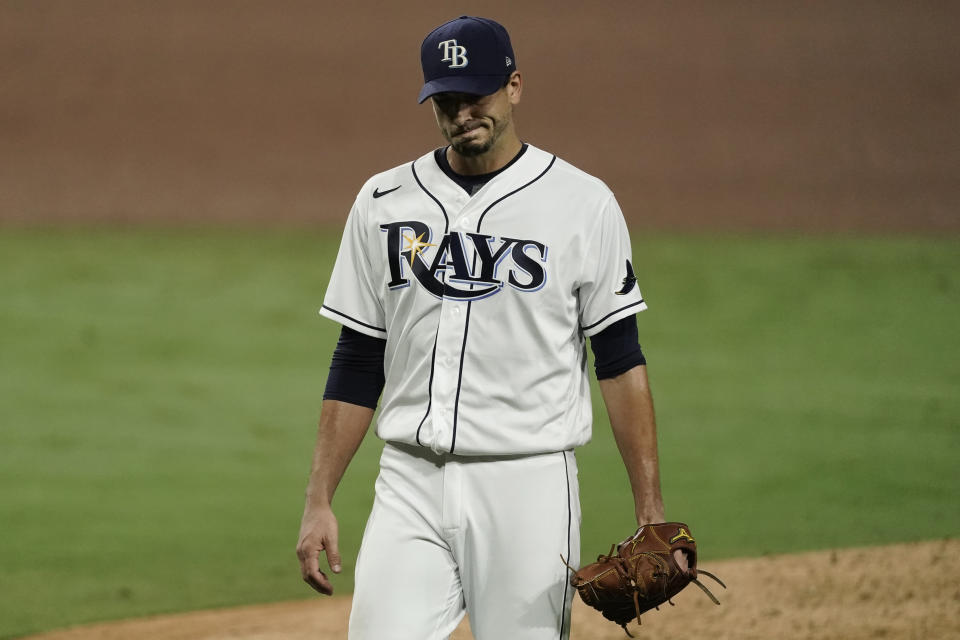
x,y
467,282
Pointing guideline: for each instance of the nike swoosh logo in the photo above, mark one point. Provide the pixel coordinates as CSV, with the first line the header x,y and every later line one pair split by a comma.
x,y
377,193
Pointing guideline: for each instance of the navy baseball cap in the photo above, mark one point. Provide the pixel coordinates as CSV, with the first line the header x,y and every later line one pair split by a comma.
x,y
467,55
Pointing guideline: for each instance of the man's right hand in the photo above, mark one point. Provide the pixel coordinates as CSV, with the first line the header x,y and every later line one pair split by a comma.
x,y
318,532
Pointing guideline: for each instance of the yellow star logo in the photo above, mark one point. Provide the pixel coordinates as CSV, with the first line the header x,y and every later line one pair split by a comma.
x,y
416,246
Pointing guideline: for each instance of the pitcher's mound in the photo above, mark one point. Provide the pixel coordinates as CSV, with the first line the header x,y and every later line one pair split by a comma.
x,y
900,591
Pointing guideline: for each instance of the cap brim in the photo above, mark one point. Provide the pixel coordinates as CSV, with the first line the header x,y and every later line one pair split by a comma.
x,y
478,85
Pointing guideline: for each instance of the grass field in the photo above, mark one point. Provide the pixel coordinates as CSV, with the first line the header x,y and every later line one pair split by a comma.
x,y
159,391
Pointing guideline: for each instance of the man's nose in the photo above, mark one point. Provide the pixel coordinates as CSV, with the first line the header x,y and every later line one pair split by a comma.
x,y
463,111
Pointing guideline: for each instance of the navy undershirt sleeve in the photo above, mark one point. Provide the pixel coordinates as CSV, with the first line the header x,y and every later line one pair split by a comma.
x,y
616,349
356,369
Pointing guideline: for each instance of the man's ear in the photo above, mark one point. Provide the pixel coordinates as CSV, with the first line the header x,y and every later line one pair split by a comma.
x,y
514,87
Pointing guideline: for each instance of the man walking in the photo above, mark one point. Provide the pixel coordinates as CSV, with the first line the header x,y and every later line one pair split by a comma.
x,y
467,282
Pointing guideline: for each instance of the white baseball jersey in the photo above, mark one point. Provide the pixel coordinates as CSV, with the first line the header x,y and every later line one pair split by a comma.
x,y
485,301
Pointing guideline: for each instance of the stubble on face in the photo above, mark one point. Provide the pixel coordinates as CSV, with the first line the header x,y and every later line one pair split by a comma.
x,y
489,128
471,147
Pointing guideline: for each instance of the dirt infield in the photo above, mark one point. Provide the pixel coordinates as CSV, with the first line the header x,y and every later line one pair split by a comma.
x,y
772,115
901,591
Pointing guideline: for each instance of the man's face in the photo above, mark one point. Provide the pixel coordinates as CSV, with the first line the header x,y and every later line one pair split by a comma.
x,y
474,124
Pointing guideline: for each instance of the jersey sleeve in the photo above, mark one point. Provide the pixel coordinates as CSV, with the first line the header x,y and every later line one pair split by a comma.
x,y
608,285
352,297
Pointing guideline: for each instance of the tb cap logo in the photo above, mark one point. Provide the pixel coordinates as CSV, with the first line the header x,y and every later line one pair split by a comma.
x,y
454,53
466,55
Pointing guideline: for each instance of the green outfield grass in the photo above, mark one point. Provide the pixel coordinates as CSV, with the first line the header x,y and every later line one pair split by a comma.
x,y
159,391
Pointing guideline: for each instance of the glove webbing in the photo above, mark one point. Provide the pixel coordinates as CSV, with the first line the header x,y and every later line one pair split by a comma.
x,y
704,587
619,564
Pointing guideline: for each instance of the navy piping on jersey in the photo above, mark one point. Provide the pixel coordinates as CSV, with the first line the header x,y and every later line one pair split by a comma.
x,y
456,401
433,355
496,202
614,312
473,183
352,319
446,220
566,583
463,349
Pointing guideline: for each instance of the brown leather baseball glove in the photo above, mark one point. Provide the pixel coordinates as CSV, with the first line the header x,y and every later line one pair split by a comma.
x,y
641,573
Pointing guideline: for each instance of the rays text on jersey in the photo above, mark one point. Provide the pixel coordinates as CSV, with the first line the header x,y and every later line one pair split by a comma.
x,y
462,266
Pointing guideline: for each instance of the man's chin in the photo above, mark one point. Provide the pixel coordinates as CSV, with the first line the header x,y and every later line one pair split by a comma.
x,y
471,149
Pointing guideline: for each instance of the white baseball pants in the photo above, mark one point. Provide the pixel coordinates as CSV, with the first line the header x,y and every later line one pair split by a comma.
x,y
450,535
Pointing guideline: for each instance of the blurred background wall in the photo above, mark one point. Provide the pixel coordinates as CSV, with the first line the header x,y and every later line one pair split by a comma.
x,y
774,115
